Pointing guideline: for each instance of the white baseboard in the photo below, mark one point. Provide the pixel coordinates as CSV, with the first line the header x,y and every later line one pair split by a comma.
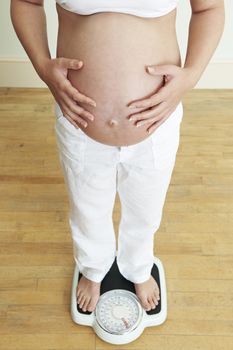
x,y
21,73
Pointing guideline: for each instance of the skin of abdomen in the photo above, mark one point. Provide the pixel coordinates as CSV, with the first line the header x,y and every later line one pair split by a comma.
x,y
115,49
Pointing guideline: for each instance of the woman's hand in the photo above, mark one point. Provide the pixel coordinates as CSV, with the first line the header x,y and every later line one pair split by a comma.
x,y
55,76
160,105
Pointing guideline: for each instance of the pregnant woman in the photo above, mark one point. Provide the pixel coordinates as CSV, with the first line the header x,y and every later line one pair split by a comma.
x,y
117,121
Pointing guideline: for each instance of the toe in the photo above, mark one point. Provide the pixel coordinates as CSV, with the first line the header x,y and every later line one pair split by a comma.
x,y
92,302
91,306
146,304
82,300
143,299
151,302
156,294
157,291
155,301
78,292
79,298
82,305
148,308
85,304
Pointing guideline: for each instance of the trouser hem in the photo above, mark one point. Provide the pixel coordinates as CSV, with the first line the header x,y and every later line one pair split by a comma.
x,y
133,279
94,277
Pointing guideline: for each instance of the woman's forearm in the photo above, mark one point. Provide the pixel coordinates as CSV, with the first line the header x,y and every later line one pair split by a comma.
x,y
29,22
205,30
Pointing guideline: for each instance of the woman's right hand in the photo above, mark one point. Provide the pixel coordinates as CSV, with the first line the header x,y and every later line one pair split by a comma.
x,y
55,76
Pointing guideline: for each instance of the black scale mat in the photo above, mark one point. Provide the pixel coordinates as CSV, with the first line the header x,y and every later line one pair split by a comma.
x,y
114,280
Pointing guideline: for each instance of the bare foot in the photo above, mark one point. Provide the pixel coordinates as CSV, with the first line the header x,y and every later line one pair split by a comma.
x,y
88,293
148,293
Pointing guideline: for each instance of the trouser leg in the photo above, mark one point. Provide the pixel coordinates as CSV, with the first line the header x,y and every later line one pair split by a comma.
x,y
89,170
143,180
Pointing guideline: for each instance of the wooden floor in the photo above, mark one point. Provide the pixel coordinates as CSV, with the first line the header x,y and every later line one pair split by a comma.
x,y
194,241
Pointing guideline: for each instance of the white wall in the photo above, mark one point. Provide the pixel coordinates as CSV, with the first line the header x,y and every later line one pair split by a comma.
x,y
11,47
16,69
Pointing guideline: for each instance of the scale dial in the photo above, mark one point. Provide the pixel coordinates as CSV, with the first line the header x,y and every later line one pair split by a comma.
x,y
118,311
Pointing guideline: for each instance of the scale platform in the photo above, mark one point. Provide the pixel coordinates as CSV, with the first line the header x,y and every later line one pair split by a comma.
x,y
119,317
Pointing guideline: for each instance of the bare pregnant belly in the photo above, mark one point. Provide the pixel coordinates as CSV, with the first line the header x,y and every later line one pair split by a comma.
x,y
115,50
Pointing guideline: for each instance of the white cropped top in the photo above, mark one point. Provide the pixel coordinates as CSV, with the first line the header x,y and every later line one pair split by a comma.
x,y
141,8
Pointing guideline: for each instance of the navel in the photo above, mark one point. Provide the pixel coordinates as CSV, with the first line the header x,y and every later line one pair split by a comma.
x,y
113,122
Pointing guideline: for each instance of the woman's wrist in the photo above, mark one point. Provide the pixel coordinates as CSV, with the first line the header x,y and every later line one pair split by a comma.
x,y
41,67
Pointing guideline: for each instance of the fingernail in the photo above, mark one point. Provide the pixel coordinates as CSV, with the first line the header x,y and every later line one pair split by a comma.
x,y
93,104
131,106
150,68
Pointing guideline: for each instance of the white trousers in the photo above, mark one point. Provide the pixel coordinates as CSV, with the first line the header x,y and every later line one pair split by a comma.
x,y
93,172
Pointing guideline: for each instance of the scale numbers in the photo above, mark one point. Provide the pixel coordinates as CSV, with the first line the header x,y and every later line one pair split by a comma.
x,y
118,311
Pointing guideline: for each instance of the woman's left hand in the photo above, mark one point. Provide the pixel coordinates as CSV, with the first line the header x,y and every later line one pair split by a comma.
x,y
160,105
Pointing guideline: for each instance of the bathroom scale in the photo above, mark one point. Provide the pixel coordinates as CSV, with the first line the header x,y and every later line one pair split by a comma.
x,y
119,317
